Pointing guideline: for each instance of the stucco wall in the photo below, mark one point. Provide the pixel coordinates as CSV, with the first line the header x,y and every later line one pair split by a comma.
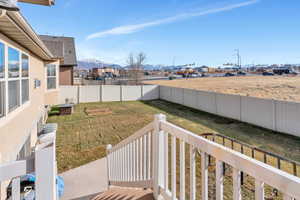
x,y
19,124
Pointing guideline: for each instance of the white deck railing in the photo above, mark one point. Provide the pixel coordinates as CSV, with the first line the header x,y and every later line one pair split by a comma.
x,y
43,164
142,160
130,161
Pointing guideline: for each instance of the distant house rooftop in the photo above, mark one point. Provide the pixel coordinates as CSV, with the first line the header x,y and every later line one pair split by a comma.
x,y
62,48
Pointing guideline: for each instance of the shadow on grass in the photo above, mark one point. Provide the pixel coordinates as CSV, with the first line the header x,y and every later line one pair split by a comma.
x,y
279,143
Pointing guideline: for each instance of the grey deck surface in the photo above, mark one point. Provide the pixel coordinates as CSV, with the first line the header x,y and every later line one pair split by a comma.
x,y
85,181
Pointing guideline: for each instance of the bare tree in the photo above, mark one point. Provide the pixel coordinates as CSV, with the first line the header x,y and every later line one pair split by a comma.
x,y
136,70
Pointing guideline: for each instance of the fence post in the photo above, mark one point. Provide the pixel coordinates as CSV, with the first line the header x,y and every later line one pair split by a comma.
x,y
45,169
158,155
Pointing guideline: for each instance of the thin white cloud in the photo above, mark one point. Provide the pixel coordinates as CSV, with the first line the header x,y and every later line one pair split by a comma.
x,y
127,29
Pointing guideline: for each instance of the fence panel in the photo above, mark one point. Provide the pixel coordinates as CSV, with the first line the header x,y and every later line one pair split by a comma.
x,y
287,117
165,93
207,102
257,111
111,93
177,95
190,98
229,106
68,94
131,93
150,92
89,93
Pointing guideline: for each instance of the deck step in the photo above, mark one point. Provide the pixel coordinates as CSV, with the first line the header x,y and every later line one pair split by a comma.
x,y
125,194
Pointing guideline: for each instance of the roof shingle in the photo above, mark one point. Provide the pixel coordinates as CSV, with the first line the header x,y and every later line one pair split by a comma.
x,y
62,48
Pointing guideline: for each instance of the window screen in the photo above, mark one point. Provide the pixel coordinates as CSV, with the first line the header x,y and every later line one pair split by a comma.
x,y
13,95
25,90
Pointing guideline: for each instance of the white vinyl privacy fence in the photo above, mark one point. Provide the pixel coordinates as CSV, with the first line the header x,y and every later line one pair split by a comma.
x,y
107,93
281,116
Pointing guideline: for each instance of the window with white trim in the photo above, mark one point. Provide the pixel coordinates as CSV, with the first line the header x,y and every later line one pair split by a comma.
x,y
2,80
14,79
51,76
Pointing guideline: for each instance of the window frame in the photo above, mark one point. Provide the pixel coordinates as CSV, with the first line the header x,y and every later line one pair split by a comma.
x,y
3,80
51,76
21,105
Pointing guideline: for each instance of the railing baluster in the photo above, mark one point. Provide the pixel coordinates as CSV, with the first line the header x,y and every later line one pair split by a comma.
x,y
145,157
173,161
219,180
141,158
149,155
119,164
204,175
137,160
129,162
182,170
259,190
16,189
236,178
166,151
192,173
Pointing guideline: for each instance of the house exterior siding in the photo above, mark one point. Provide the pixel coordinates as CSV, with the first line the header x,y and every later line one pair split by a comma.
x,y
66,75
20,125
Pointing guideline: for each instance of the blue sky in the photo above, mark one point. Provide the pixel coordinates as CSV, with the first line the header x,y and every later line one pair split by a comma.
x,y
183,31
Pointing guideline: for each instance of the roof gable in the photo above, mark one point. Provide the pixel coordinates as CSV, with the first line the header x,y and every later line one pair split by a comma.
x,y
62,48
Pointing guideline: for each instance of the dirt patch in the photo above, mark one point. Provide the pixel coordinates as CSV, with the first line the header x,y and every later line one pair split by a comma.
x,y
97,111
277,87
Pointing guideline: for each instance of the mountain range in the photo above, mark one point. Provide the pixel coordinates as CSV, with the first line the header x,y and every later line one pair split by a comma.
x,y
94,63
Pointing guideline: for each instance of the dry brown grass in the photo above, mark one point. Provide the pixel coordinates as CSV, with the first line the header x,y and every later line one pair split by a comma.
x,y
277,87
82,138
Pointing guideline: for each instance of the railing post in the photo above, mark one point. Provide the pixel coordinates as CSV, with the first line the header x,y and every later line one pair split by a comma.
x,y
158,143
108,163
45,169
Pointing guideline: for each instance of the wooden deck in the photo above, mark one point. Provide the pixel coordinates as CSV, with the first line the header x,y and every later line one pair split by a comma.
x,y
125,194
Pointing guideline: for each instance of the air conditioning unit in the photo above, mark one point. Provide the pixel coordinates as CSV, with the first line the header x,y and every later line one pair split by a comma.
x,y
10,5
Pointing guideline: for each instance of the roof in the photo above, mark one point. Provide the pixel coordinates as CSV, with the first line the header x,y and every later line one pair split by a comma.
x,y
14,26
62,48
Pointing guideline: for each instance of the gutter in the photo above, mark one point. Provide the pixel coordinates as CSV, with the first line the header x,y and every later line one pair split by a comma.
x,y
24,26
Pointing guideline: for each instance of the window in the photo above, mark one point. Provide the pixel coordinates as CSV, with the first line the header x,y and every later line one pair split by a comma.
x,y
25,66
13,95
14,79
2,80
2,64
2,98
25,78
13,63
51,76
25,91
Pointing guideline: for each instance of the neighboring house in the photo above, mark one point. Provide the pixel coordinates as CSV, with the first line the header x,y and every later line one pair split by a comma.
x,y
63,48
105,71
29,75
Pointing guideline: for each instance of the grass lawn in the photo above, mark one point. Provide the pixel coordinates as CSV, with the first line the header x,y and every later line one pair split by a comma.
x,y
82,138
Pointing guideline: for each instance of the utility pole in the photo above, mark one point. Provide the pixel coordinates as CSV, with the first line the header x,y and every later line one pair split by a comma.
x,y
239,61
